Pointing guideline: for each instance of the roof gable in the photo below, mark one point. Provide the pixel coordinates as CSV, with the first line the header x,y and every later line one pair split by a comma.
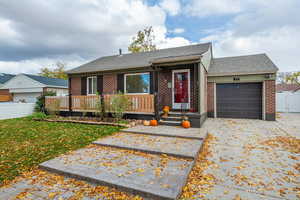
x,y
33,81
22,81
136,60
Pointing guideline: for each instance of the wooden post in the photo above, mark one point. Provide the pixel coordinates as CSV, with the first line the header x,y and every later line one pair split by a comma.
x,y
70,97
156,100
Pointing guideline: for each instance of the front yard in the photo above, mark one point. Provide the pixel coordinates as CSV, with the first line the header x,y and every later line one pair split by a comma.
x,y
25,143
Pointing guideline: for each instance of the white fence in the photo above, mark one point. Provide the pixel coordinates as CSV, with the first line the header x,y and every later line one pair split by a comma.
x,y
288,102
14,110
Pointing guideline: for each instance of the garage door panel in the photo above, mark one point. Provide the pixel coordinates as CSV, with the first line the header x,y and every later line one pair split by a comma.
x,y
239,100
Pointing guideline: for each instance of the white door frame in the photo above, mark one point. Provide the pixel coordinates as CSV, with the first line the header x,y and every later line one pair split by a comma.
x,y
178,105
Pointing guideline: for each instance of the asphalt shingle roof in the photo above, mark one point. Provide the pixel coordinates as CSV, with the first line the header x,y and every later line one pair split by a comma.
x,y
5,77
49,81
136,60
250,64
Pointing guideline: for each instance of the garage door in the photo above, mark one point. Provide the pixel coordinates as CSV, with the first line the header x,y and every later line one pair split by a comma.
x,y
239,100
26,97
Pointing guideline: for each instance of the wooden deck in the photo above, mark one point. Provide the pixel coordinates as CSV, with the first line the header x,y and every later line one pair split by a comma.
x,y
138,103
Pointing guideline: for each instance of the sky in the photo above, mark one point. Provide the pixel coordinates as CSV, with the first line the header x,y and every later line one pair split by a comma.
x,y
39,33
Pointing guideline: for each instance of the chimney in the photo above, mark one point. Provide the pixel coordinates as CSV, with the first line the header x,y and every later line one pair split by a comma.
x,y
120,52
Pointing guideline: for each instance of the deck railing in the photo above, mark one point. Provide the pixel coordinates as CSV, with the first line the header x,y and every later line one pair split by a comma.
x,y
138,103
86,103
57,102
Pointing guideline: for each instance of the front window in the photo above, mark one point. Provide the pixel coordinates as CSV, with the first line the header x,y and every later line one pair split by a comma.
x,y
137,83
91,85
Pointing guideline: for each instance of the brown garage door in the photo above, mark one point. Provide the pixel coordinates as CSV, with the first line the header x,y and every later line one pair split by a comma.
x,y
239,100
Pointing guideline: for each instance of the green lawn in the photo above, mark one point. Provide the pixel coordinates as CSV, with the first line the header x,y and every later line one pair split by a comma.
x,y
25,143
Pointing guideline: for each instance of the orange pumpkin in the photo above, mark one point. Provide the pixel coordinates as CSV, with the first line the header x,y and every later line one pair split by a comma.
x,y
153,122
166,108
186,124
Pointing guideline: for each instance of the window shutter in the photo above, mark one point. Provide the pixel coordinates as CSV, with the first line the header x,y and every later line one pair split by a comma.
x,y
151,83
83,86
100,84
120,83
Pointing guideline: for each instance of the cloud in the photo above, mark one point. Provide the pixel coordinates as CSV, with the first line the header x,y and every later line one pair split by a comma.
x,y
38,31
206,8
172,7
177,30
33,66
262,29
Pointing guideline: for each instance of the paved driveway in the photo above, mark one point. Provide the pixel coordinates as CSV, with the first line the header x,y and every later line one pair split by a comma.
x,y
254,159
10,110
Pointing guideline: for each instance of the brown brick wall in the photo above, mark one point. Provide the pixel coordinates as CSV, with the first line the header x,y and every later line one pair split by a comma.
x,y
270,99
210,99
109,84
76,86
164,93
4,92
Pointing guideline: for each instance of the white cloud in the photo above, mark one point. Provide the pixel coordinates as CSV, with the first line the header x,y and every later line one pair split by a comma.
x,y
263,29
177,30
74,30
172,7
166,42
205,8
33,66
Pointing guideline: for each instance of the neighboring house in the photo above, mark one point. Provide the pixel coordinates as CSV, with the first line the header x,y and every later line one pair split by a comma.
x,y
26,87
3,79
185,78
285,87
288,97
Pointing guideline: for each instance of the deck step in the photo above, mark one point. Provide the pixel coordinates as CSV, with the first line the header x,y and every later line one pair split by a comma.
x,y
169,123
172,118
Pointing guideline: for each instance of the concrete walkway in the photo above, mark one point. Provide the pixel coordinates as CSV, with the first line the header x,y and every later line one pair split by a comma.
x,y
148,165
254,159
172,146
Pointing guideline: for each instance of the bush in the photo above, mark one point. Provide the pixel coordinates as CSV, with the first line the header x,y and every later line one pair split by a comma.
x,y
40,103
119,104
38,115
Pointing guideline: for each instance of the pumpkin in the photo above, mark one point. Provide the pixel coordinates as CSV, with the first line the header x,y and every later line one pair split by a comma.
x,y
166,109
186,124
153,122
146,123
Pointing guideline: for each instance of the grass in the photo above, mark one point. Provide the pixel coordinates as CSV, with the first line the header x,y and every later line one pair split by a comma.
x,y
25,143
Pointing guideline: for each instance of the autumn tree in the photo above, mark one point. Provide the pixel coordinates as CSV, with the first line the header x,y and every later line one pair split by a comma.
x,y
294,78
144,41
58,72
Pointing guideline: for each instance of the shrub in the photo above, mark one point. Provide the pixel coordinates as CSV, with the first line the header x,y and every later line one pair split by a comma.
x,y
119,104
100,112
40,103
38,115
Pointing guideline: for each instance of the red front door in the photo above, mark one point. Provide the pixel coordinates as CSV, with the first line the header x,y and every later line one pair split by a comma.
x,y
181,89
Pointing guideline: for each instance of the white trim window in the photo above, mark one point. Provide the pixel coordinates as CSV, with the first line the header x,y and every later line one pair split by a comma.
x,y
91,85
138,83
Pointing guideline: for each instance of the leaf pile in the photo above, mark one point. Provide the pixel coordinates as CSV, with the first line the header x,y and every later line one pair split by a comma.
x,y
198,181
288,143
55,186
